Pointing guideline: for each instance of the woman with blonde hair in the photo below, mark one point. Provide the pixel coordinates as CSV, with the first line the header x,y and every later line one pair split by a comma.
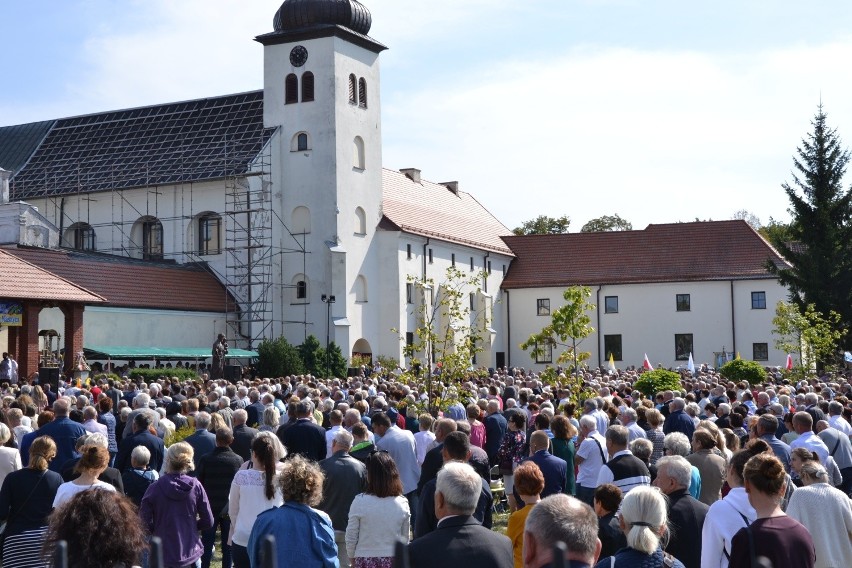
x,y
303,535
827,514
10,458
175,508
93,462
26,500
644,521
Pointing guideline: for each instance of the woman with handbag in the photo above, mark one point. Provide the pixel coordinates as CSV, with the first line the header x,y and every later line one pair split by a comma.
x,y
26,499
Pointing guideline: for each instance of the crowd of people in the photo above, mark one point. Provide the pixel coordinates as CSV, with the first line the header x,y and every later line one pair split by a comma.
x,y
339,471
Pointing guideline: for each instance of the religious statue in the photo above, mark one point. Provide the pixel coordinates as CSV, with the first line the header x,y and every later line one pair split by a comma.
x,y
220,349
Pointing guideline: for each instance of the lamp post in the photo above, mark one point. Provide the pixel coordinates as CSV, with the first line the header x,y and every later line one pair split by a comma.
x,y
328,300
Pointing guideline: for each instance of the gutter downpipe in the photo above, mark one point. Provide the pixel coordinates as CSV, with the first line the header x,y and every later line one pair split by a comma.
x,y
508,332
485,271
598,310
425,251
733,322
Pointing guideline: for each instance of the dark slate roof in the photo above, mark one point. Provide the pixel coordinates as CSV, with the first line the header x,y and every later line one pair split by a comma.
x,y
132,283
189,141
17,143
677,252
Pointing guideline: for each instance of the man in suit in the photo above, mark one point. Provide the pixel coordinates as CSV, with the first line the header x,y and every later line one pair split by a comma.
x,y
303,437
216,471
495,429
456,448
345,478
243,435
141,437
686,514
560,518
434,460
399,444
64,432
555,470
678,420
459,540
202,441
255,409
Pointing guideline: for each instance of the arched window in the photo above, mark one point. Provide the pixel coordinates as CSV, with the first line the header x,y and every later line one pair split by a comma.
x,y
152,239
353,93
307,86
209,234
299,286
362,92
360,289
301,142
300,221
291,89
358,159
80,236
360,221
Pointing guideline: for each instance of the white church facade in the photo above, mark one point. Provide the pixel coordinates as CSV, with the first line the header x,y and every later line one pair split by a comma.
x,y
277,203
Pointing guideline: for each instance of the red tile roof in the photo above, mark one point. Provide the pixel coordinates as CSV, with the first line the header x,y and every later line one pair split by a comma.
x,y
22,280
132,283
433,210
678,252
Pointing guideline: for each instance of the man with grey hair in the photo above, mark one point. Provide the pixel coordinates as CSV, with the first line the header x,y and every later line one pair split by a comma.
x,y
225,411
678,420
560,518
767,426
686,513
590,458
243,434
64,432
345,478
141,403
459,541
202,440
624,470
628,420
836,419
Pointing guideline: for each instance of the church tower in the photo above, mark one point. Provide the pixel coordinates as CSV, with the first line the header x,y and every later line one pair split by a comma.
x,y
321,91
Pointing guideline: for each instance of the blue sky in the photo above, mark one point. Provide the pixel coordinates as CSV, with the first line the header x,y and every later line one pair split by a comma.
x,y
660,111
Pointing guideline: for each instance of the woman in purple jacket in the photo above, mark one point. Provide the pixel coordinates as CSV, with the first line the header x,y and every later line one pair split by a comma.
x,y
175,508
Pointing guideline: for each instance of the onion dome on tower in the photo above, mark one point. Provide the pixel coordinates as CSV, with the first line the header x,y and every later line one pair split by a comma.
x,y
296,15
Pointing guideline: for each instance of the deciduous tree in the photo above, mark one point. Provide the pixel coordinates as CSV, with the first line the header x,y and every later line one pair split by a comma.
x,y
544,225
607,223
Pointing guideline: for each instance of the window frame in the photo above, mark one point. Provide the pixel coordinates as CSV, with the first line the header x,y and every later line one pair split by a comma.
x,y
683,302
301,290
409,292
607,304
152,229
542,307
758,298
291,89
408,251
307,87
362,93
764,351
431,257
204,234
681,341
546,355
616,355
353,89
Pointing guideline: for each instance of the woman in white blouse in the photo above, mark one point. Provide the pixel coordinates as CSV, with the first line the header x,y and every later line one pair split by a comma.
x,y
10,458
379,516
253,491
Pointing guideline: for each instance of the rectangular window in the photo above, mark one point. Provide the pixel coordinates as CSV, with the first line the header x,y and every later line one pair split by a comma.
x,y
760,351
683,346
542,307
612,346
544,353
409,293
611,304
209,229
453,259
489,267
504,270
758,300
408,251
471,264
682,302
472,301
409,338
431,258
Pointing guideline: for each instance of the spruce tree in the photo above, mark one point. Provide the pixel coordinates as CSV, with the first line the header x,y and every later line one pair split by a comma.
x,y
820,251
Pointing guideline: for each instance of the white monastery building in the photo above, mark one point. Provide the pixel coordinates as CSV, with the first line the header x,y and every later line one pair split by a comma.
x,y
270,213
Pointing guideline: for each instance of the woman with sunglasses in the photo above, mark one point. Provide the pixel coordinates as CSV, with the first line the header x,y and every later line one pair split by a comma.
x,y
379,516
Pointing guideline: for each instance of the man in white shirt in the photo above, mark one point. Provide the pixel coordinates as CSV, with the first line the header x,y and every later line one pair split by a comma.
x,y
400,445
803,425
590,458
335,417
90,421
836,419
628,420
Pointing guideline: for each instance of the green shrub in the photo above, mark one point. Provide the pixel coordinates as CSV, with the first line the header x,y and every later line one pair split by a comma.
x,y
153,374
277,358
180,435
652,382
742,370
